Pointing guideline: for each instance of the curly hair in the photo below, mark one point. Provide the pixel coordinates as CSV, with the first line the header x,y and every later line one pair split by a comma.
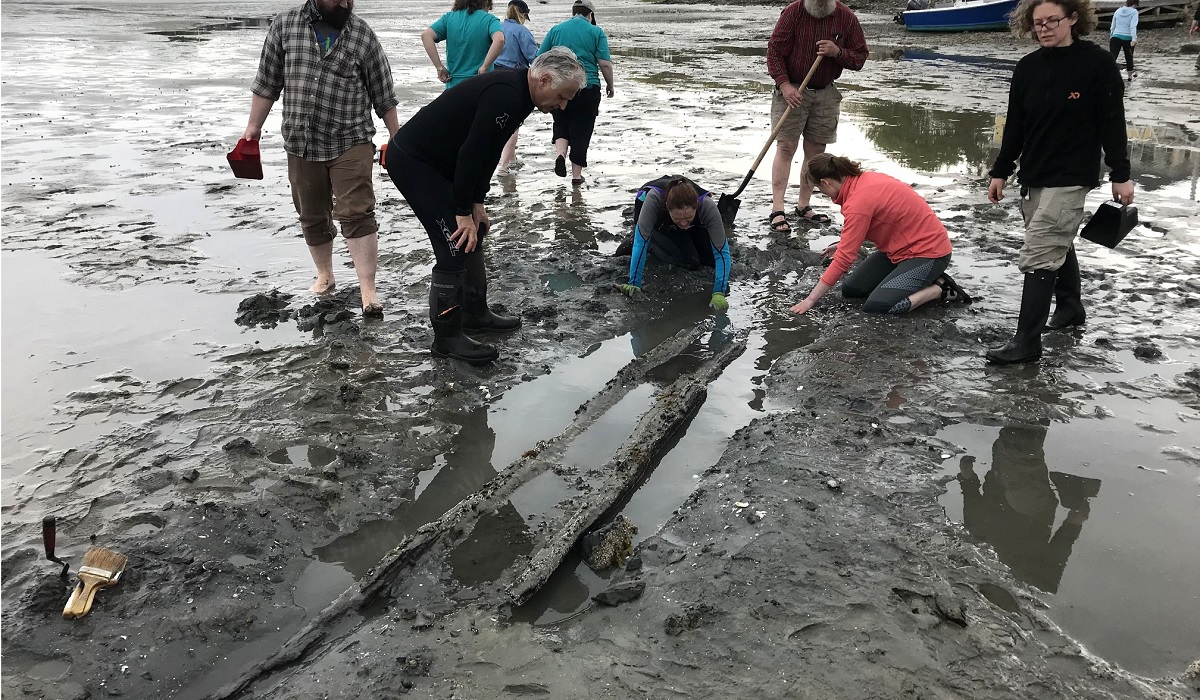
x,y
1021,19
472,6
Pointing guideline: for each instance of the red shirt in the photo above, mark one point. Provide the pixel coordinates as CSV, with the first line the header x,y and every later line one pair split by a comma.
x,y
881,209
793,45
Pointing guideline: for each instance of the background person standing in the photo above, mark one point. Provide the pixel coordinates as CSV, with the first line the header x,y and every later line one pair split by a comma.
x,y
473,41
1065,103
807,29
574,125
331,70
519,51
1123,33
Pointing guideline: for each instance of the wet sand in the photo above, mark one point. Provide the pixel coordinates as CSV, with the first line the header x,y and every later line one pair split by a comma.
x,y
1050,508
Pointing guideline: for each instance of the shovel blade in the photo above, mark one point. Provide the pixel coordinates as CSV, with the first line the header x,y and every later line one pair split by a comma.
x,y
728,205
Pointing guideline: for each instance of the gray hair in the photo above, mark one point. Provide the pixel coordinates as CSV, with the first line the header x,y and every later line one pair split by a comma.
x,y
562,66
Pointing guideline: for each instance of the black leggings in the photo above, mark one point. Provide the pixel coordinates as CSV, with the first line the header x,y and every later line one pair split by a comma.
x,y
887,285
577,122
431,197
1116,45
689,248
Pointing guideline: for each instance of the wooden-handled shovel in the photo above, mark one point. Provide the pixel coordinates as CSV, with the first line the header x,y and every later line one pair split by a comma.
x,y
728,203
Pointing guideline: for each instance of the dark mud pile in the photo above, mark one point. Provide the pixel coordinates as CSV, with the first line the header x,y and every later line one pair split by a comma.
x,y
257,452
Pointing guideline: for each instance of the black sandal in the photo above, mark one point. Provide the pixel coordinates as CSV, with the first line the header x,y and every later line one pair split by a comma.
x,y
816,218
781,226
951,291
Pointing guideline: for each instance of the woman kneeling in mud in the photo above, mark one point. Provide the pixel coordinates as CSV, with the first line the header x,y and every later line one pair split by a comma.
x,y
908,268
678,223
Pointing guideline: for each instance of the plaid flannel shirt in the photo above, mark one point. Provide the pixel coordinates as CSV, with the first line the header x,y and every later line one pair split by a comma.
x,y
326,99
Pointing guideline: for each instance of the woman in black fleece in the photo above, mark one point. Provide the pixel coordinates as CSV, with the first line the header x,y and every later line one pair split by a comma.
x,y
1064,105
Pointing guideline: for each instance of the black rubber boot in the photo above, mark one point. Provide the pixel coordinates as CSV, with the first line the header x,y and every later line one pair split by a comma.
x,y
476,314
1068,306
446,315
1026,345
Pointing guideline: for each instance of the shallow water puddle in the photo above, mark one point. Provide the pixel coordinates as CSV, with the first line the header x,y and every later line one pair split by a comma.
x,y
734,399
305,456
1098,513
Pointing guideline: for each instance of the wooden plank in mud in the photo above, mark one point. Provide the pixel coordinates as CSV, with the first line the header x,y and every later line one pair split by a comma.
x,y
652,432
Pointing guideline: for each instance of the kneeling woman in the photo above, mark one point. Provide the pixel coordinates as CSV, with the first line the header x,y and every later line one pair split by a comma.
x,y
913,249
678,223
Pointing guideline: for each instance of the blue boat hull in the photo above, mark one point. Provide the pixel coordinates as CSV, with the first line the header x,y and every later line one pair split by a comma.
x,y
976,17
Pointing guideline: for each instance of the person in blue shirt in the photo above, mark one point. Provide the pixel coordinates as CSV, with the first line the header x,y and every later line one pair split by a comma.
x,y
519,51
473,41
573,126
678,223
1123,33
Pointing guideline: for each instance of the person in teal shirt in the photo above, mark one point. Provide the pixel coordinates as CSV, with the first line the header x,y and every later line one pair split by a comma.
x,y
473,39
574,125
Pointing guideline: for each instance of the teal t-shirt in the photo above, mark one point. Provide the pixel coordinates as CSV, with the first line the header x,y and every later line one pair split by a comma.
x,y
468,37
588,41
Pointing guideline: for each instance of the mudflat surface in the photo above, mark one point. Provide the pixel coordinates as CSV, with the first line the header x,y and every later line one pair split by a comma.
x,y
859,509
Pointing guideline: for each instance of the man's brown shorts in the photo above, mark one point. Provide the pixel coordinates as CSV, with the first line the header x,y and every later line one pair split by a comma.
x,y
816,119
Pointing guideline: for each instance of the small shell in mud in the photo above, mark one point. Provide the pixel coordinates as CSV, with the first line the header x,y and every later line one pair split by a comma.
x,y
741,504
834,484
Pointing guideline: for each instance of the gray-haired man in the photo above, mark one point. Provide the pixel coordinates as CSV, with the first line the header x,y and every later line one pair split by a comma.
x,y
442,161
331,70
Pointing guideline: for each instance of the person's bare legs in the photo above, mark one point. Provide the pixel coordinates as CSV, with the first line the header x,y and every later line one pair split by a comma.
x,y
322,256
510,152
806,185
364,251
560,147
576,172
781,170
923,296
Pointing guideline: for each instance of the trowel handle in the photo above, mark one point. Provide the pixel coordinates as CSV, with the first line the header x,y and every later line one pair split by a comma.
x,y
49,530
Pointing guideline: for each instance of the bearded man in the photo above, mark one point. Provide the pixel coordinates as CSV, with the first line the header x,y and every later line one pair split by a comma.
x,y
807,29
331,70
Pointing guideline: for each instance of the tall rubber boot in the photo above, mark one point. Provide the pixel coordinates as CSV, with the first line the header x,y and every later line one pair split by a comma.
x,y
446,315
477,316
1068,306
1026,345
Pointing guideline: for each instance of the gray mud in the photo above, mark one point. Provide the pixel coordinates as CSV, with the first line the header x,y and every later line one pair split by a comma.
x,y
859,509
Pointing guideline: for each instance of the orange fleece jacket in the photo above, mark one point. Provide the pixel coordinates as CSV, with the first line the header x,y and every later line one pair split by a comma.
x,y
881,209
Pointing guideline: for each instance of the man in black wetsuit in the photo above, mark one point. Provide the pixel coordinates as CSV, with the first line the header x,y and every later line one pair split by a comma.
x,y
442,161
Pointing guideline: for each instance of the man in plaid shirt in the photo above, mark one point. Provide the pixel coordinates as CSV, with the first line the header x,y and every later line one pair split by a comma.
x,y
332,70
807,29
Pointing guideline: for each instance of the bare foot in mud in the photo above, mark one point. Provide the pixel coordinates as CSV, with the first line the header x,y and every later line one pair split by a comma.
x,y
323,286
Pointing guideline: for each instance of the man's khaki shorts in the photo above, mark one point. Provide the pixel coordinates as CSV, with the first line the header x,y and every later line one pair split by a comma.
x,y
1052,217
816,119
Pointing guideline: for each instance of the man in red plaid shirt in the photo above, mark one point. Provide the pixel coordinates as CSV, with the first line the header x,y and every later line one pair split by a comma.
x,y
807,29
332,71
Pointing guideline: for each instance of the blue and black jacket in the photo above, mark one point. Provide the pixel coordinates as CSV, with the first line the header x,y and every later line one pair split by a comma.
x,y
652,218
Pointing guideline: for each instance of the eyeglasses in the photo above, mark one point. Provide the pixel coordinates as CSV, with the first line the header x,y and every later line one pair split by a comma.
x,y
1051,23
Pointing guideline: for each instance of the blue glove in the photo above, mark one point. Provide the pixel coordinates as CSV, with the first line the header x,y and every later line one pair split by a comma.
x,y
632,291
718,302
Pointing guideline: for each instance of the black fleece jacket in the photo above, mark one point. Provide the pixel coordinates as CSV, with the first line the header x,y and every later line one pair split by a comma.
x,y
1064,104
463,131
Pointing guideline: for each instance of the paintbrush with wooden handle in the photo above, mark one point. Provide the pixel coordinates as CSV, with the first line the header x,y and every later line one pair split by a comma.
x,y
100,568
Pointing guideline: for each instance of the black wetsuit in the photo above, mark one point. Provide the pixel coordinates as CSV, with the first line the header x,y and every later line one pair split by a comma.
x,y
443,158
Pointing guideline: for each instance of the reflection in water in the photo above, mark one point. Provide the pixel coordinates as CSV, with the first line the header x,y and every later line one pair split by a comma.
x,y
927,139
468,466
1016,508
574,219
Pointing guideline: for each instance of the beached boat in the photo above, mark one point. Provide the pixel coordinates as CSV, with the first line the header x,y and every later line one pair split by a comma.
x,y
967,16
